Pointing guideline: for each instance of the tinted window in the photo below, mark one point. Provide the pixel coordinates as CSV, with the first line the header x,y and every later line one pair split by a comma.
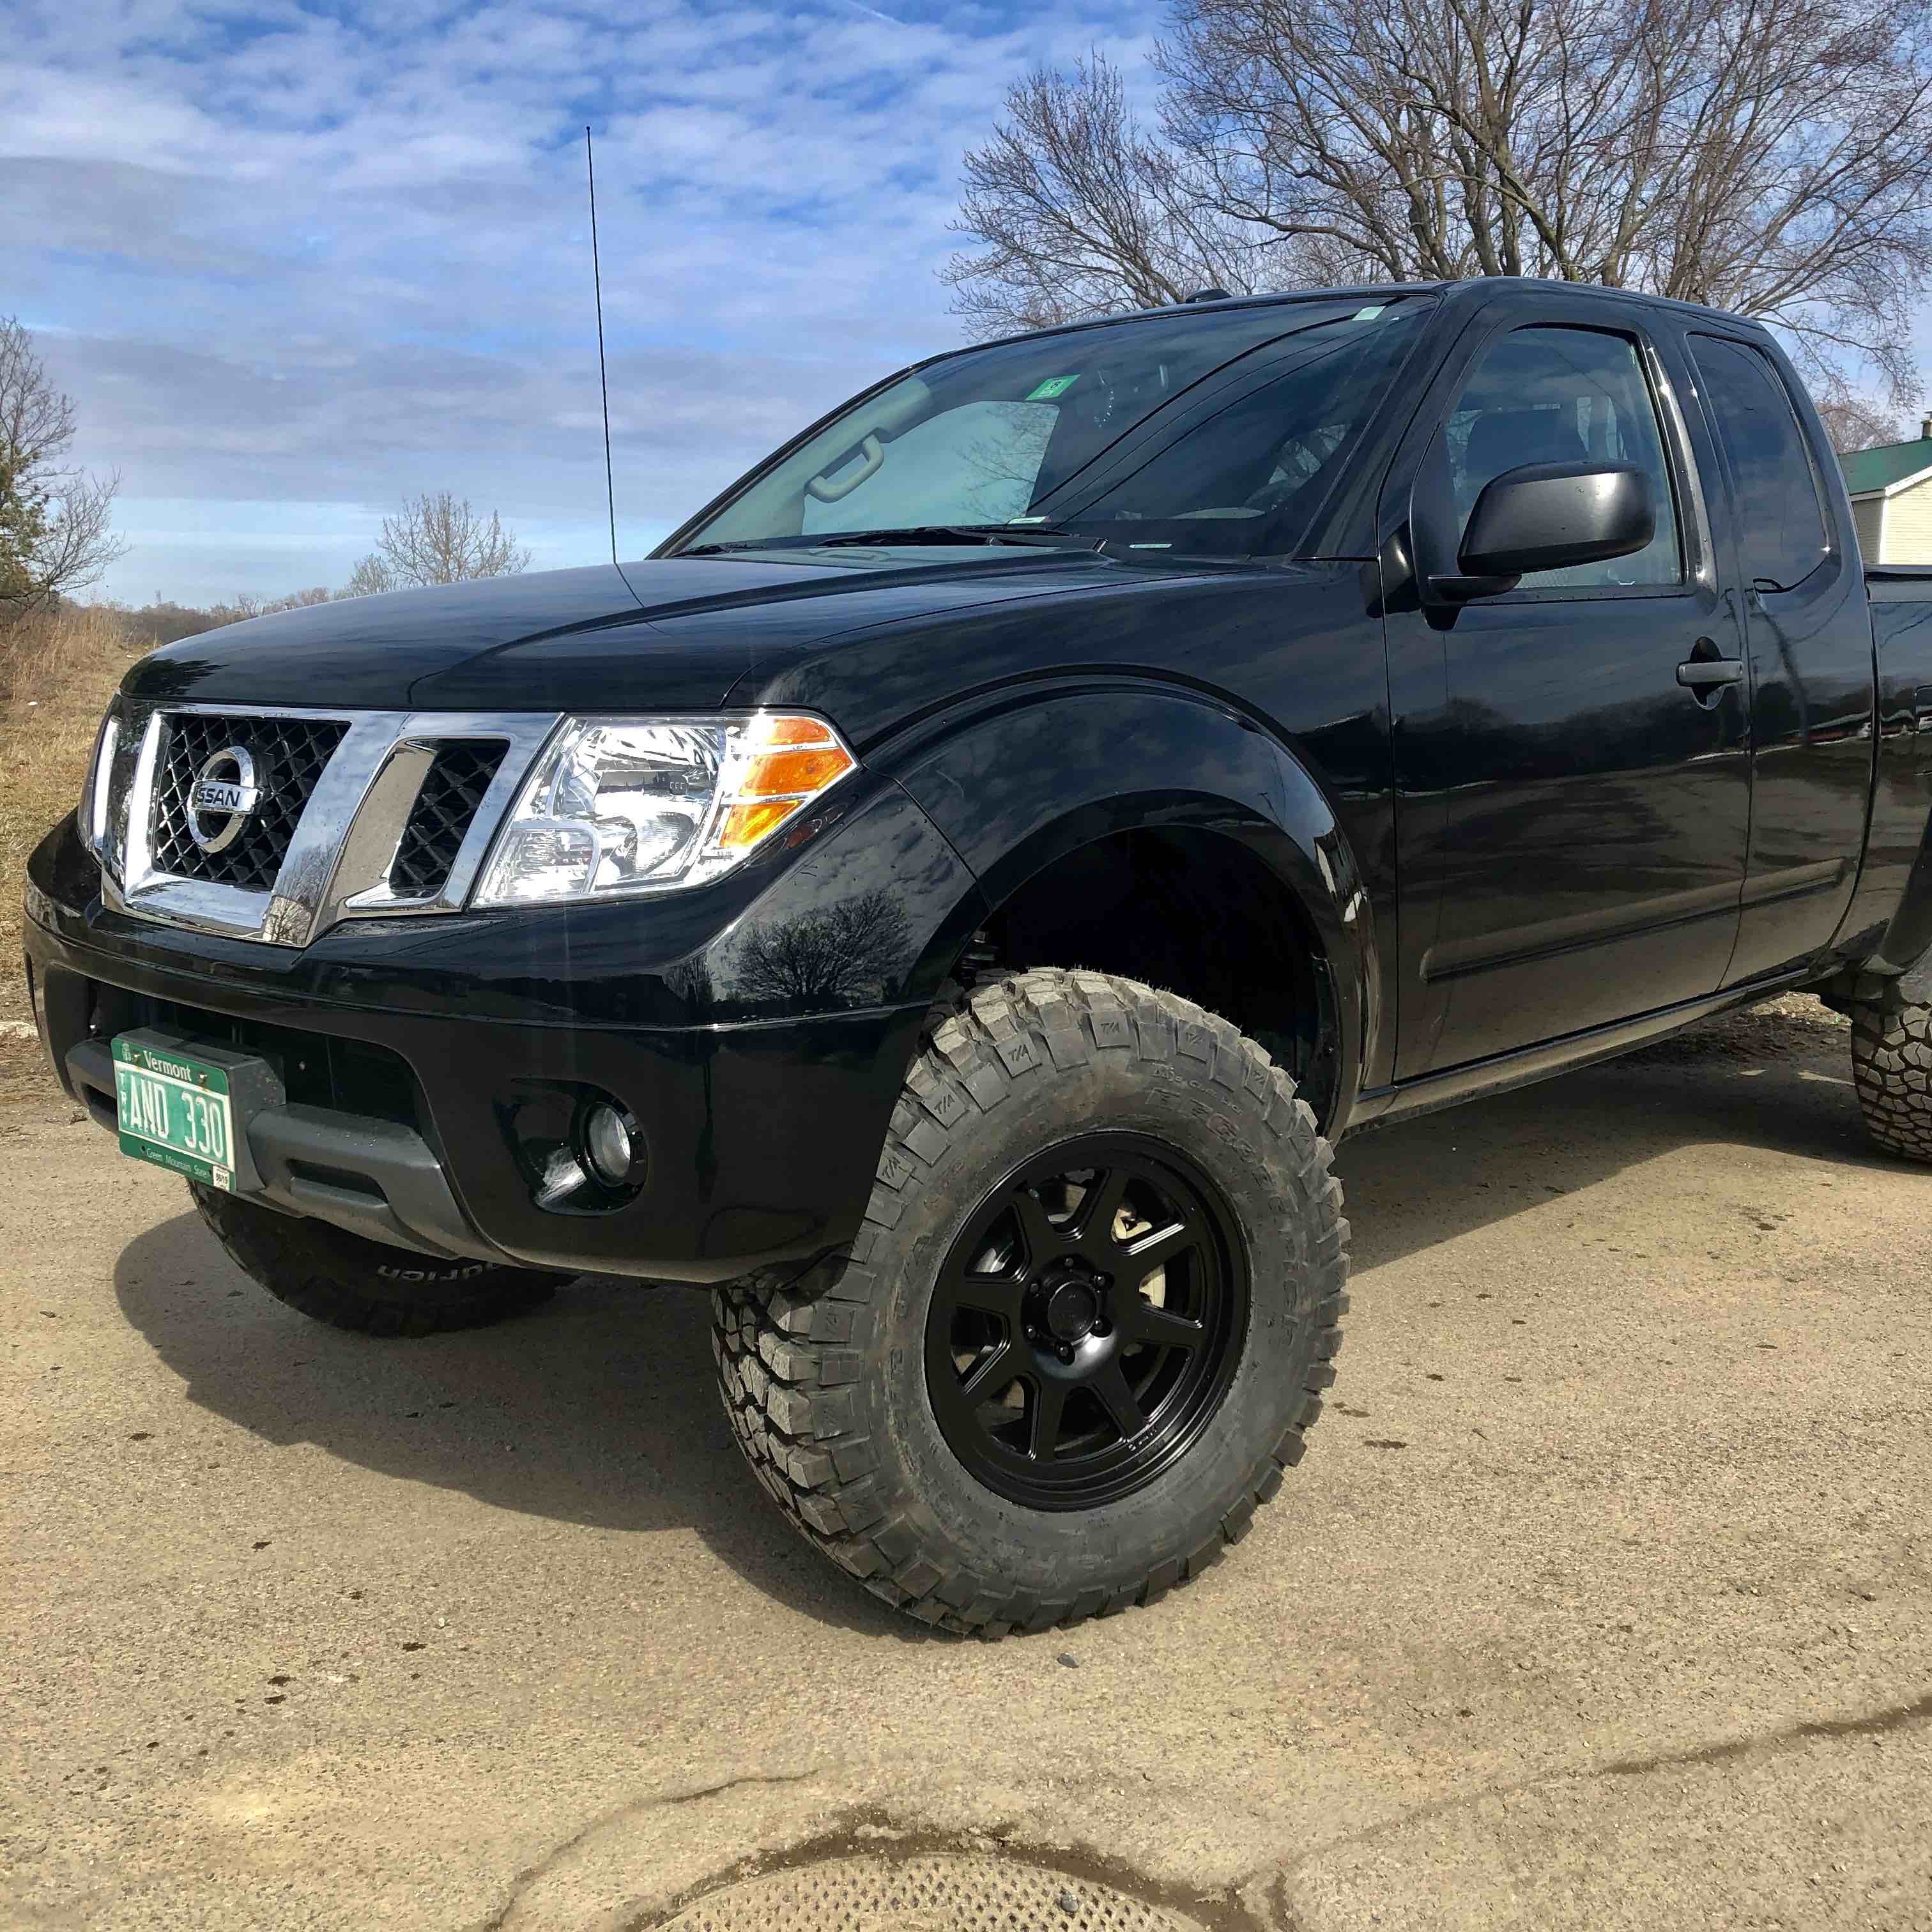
x,y
1782,539
1246,481
1565,395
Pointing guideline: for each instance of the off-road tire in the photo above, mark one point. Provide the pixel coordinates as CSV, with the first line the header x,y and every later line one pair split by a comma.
x,y
1891,1067
823,1372
332,1276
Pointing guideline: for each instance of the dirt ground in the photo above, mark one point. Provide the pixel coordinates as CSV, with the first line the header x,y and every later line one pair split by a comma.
x,y
1603,1598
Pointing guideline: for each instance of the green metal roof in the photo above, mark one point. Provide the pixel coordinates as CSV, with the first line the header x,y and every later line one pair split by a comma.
x,y
1889,463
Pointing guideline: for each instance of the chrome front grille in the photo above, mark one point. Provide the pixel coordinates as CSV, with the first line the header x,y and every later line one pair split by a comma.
x,y
354,815
289,755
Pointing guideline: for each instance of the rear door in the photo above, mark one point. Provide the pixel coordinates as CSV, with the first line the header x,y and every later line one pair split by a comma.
x,y
1802,595
1574,816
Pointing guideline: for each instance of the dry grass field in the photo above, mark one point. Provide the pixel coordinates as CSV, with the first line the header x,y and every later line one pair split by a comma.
x,y
56,674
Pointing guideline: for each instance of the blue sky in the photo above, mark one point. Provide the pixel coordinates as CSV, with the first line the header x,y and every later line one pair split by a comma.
x,y
295,262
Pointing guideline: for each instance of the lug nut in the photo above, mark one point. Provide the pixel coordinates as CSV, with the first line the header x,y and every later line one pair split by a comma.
x,y
1066,1351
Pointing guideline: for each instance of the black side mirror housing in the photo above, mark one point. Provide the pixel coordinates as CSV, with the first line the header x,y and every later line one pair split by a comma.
x,y
1554,516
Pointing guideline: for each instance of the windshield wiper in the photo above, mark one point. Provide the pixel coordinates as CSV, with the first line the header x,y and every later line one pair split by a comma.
x,y
976,534
951,533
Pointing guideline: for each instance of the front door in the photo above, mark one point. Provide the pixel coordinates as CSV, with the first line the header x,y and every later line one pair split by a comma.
x,y
1574,813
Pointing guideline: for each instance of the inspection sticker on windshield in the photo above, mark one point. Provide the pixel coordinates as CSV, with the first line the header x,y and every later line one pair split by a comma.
x,y
175,1112
1054,385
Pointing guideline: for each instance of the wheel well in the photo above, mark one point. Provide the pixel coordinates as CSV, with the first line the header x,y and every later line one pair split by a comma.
x,y
1191,912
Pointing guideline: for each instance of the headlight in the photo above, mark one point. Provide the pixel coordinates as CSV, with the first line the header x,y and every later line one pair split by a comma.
x,y
648,805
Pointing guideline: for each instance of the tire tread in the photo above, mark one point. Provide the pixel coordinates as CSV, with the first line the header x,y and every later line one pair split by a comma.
x,y
1891,1069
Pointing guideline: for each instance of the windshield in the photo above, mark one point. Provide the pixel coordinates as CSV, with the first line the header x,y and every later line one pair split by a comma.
x,y
1009,440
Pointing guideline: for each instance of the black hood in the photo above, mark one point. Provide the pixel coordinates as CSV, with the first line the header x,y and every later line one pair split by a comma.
x,y
675,634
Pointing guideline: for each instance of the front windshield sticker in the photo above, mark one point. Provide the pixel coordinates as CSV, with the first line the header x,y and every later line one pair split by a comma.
x,y
1054,385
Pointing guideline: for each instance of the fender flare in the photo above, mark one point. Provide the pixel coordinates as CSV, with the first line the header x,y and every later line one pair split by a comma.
x,y
1036,775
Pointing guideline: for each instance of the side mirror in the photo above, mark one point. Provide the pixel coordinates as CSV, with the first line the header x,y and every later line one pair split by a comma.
x,y
1553,516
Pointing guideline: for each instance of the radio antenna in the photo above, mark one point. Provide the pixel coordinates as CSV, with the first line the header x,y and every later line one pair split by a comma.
x,y
603,374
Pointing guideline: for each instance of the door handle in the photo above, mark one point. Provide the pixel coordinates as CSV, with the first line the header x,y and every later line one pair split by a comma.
x,y
1706,671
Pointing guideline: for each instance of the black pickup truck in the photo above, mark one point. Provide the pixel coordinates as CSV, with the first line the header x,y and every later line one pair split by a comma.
x,y
949,899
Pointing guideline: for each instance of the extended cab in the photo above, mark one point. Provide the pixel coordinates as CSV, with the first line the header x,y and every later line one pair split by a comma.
x,y
950,898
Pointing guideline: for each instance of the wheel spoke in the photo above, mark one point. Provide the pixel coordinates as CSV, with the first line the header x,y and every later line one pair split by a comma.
x,y
988,1294
1098,1211
1144,1322
991,1374
1119,1400
1038,1235
1158,1246
1049,1403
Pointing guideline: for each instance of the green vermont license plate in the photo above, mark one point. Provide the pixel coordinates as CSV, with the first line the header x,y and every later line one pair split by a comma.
x,y
175,1111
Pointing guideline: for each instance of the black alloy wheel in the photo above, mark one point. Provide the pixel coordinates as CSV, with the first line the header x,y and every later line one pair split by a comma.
x,y
1086,1322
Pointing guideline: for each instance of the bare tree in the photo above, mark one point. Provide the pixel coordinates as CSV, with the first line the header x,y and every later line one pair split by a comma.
x,y
246,604
60,516
370,578
1766,156
1084,213
1853,424
437,539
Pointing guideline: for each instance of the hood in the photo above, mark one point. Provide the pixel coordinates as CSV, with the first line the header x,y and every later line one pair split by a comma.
x,y
674,633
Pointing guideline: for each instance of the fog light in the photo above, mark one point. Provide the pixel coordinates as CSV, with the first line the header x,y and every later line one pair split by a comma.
x,y
609,1144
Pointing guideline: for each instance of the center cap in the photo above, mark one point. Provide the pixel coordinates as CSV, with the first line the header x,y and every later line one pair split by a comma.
x,y
1071,1310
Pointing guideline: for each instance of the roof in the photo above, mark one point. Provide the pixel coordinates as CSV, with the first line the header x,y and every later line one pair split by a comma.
x,y
1867,471
1378,291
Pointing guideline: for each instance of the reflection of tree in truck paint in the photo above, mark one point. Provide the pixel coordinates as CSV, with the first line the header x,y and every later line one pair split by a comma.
x,y
847,956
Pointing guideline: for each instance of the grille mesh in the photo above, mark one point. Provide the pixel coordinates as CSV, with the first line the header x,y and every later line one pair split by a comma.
x,y
289,755
944,1893
441,815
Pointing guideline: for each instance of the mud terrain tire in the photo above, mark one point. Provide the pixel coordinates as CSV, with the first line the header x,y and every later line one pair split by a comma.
x,y
833,1383
1891,1067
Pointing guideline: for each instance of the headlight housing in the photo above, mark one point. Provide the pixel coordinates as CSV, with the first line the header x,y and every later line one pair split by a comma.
x,y
649,804
96,794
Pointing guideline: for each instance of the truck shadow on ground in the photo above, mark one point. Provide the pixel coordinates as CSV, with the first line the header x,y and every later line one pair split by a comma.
x,y
600,1410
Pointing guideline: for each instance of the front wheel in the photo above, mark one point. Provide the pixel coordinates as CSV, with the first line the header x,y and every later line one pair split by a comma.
x,y
1084,1329
334,1276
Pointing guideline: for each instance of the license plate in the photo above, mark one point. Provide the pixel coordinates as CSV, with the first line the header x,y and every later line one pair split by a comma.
x,y
175,1110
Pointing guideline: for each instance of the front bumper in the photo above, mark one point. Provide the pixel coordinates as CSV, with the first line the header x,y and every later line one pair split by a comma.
x,y
757,1031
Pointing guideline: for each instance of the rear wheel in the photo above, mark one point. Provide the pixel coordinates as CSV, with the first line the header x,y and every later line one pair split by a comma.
x,y
1084,1329
332,1276
1891,1067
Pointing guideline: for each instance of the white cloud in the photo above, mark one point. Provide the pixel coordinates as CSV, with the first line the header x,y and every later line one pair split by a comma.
x,y
295,259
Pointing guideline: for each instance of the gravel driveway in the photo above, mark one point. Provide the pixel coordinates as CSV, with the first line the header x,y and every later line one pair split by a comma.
x,y
1601,1600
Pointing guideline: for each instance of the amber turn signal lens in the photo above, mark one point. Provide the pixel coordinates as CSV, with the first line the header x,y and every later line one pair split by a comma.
x,y
787,774
789,762
792,731
745,825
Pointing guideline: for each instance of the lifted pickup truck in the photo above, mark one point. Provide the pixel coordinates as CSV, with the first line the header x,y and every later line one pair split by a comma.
x,y
949,899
